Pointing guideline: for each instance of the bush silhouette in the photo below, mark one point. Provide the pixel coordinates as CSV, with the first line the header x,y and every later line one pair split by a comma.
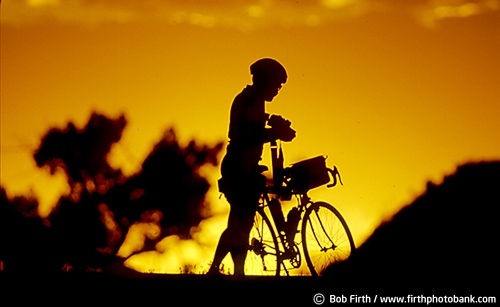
x,y
445,239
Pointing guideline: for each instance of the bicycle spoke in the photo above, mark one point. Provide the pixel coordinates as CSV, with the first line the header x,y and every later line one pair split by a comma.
x,y
326,238
324,231
263,256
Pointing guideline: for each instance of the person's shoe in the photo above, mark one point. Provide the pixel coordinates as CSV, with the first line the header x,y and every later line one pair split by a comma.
x,y
214,271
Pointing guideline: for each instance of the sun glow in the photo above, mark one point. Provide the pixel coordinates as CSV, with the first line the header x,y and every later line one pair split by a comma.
x,y
394,104
175,255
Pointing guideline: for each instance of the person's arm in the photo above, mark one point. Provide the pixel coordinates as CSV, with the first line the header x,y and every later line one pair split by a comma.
x,y
270,134
280,128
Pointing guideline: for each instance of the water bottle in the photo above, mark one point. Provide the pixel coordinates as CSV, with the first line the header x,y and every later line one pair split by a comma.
x,y
292,223
277,213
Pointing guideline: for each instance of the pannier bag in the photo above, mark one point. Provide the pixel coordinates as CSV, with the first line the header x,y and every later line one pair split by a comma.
x,y
307,174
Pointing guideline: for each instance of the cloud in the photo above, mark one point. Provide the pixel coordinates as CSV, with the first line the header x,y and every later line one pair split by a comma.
x,y
243,15
85,12
434,11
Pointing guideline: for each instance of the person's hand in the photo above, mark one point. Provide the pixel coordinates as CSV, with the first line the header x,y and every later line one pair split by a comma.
x,y
277,121
282,128
287,134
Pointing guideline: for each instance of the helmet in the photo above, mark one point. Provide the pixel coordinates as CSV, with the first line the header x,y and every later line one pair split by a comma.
x,y
269,69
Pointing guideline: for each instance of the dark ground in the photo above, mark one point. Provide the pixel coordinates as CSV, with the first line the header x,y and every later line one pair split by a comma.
x,y
193,290
189,290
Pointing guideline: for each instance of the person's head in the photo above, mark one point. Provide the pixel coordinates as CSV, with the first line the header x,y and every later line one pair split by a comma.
x,y
268,75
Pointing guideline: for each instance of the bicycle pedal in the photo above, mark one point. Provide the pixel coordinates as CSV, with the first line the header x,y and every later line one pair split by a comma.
x,y
256,246
289,253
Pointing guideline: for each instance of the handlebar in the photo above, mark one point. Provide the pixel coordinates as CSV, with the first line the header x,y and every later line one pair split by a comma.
x,y
334,172
279,172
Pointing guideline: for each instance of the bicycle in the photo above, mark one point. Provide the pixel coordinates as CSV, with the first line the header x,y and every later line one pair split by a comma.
x,y
325,236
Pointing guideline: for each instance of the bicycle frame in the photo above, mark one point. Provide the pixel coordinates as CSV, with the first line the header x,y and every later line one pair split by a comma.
x,y
286,246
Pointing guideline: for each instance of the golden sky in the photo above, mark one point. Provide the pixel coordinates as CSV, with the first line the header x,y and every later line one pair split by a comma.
x,y
396,93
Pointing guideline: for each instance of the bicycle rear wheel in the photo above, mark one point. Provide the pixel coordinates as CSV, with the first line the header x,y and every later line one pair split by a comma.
x,y
263,257
326,238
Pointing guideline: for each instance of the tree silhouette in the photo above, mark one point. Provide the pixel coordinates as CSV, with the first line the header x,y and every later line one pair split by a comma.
x,y
169,182
81,153
26,243
90,223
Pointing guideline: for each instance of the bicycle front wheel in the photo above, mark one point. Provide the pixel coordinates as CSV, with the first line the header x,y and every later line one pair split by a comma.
x,y
326,238
263,257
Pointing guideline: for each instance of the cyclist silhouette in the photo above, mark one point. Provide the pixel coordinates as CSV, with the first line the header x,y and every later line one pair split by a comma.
x,y
242,181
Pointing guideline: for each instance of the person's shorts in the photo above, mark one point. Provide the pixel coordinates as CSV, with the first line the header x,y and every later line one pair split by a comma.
x,y
244,189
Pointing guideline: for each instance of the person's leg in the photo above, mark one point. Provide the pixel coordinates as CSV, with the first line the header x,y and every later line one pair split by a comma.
x,y
229,239
242,222
239,248
220,252
244,200
247,204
